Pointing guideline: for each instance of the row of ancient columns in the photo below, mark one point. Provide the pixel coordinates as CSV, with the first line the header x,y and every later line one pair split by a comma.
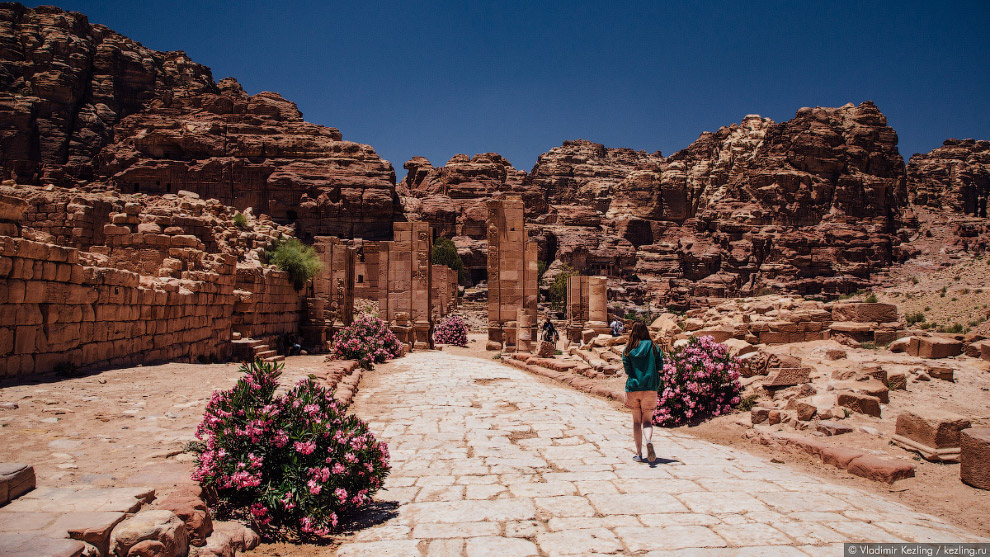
x,y
399,276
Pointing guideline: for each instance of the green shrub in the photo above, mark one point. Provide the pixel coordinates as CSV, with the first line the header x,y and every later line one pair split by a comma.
x,y
747,403
558,289
240,221
295,258
914,318
445,253
954,328
871,299
292,463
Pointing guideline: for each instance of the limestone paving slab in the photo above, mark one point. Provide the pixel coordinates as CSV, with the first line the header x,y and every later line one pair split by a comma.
x,y
487,460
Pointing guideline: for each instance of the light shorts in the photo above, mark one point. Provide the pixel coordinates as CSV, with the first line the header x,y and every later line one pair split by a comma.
x,y
646,401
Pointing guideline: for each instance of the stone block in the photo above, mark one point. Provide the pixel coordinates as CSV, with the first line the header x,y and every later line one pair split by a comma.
x,y
805,411
15,480
942,372
974,457
931,432
840,457
936,347
902,344
870,387
759,415
862,312
788,376
897,381
861,403
880,469
985,352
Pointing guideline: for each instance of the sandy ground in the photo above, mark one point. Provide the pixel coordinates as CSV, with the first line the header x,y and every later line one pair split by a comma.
x,y
121,426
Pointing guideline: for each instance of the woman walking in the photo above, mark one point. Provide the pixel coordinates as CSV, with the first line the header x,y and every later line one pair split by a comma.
x,y
642,362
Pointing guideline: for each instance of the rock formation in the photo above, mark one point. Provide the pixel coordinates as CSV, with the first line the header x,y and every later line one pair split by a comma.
x,y
954,177
82,105
816,205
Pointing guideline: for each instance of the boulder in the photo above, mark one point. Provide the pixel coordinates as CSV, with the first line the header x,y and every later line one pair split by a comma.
x,y
933,433
759,415
193,512
861,403
974,457
151,525
985,352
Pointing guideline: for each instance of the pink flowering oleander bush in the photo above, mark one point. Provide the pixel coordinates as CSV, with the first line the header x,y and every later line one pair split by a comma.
x,y
452,330
698,381
367,340
293,463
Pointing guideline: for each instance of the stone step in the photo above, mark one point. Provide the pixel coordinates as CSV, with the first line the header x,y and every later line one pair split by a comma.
x,y
15,480
265,354
274,359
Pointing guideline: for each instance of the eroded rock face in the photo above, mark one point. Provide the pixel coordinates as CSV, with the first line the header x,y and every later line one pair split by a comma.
x,y
955,177
452,197
66,83
82,105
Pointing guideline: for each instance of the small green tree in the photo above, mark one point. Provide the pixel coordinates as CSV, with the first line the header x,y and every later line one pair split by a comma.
x,y
558,288
445,253
240,220
295,258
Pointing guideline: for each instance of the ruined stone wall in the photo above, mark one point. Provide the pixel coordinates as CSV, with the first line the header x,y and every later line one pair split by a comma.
x,y
56,313
266,305
161,286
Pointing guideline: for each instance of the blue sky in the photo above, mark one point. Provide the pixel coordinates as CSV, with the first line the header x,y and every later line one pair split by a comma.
x,y
517,78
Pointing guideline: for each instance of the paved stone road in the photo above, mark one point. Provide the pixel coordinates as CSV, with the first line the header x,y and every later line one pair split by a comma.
x,y
489,461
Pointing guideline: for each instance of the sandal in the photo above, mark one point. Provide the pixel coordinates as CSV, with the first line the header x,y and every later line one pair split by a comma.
x,y
650,455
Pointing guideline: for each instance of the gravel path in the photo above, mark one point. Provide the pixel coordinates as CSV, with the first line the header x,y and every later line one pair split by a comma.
x,y
489,460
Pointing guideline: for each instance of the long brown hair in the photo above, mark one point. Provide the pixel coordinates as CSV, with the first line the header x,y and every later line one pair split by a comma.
x,y
639,333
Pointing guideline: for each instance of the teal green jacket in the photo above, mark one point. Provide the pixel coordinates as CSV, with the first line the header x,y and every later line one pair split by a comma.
x,y
642,365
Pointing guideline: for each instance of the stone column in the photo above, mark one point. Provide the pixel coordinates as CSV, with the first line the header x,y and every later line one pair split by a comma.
x,y
598,304
422,291
495,334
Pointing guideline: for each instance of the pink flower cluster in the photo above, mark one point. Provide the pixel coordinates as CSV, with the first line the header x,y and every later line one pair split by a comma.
x,y
452,330
698,381
283,461
367,340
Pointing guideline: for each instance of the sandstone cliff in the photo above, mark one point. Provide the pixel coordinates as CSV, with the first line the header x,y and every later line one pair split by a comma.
x,y
82,105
